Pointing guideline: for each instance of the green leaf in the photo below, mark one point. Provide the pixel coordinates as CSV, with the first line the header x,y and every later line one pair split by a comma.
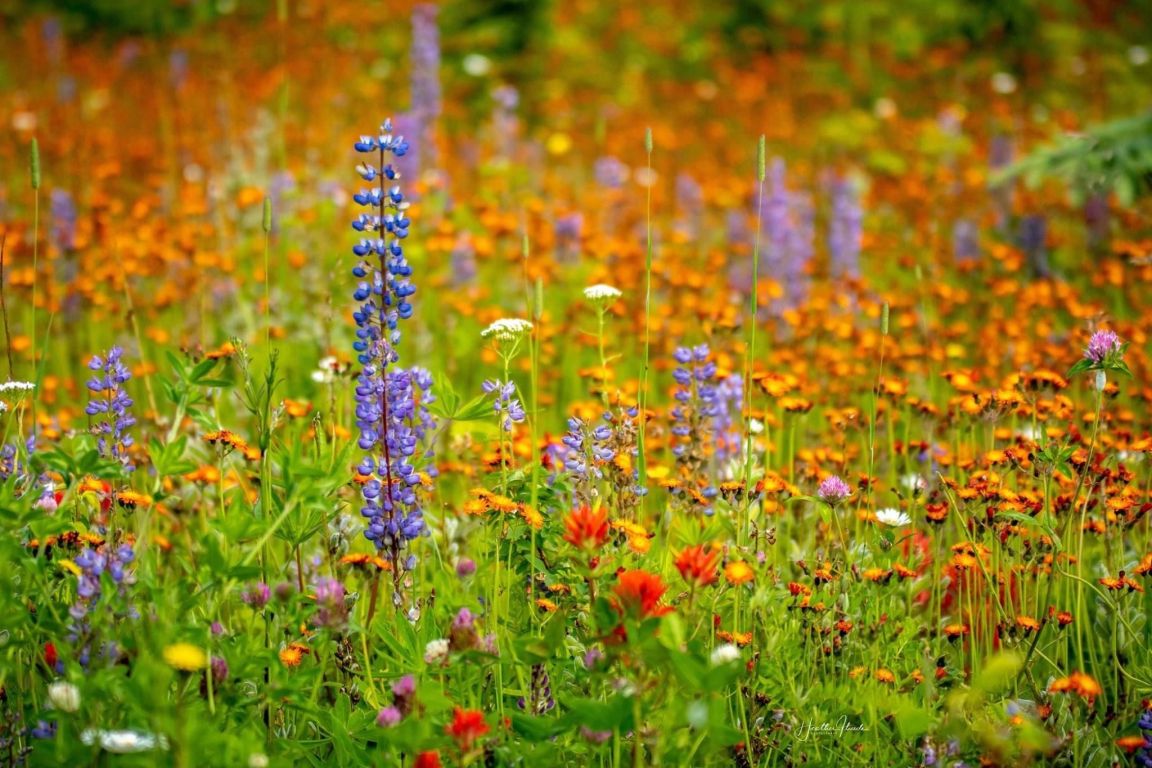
x,y
912,721
536,728
477,409
615,713
998,673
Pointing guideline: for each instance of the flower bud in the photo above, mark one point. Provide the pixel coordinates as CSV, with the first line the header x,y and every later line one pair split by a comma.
x,y
64,696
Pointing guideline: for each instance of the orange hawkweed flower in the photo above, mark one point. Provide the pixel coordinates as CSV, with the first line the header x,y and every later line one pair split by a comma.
x,y
292,654
739,572
739,638
639,592
954,631
1027,623
467,725
586,528
697,565
1079,683
885,676
1130,743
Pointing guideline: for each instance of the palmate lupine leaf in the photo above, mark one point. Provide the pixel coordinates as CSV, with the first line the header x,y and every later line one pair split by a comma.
x,y
1114,158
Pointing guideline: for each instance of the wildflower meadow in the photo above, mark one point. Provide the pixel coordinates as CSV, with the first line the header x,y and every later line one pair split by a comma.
x,y
495,383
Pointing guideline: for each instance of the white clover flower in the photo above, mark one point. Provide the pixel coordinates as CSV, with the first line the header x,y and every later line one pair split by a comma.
x,y
123,742
436,651
507,329
1138,56
257,760
724,654
602,293
893,517
17,386
64,696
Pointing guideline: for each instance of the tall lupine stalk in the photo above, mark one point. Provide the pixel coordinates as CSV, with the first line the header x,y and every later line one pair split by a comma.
x,y
844,230
778,220
425,83
386,411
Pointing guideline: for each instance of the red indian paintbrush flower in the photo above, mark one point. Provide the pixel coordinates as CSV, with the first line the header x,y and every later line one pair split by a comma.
x,y
697,565
467,725
586,528
639,594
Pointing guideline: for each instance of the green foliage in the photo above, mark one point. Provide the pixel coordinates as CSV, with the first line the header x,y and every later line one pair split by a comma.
x,y
1115,158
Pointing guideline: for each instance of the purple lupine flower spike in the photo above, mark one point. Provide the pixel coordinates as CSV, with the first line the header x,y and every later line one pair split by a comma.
x,y
110,405
391,402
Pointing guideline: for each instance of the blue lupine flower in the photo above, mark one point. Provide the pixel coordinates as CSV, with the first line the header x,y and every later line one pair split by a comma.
x,y
110,405
695,412
506,403
391,411
726,421
965,242
844,230
420,121
94,562
63,220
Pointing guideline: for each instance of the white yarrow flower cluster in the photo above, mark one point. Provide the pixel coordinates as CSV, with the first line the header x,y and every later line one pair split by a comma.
x,y
507,329
17,386
893,517
602,293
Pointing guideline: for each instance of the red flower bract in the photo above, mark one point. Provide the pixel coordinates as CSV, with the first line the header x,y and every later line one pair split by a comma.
x,y
467,725
586,528
429,759
639,594
697,565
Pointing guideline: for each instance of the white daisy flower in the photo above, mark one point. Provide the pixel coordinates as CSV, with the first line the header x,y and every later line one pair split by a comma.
x,y
893,517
